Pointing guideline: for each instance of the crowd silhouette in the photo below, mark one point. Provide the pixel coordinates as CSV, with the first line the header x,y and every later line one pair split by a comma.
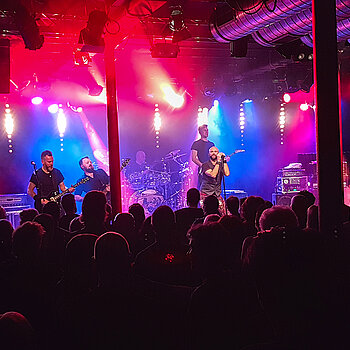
x,y
261,277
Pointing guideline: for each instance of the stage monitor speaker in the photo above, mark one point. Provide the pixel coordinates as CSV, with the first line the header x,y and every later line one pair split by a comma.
x,y
4,66
283,198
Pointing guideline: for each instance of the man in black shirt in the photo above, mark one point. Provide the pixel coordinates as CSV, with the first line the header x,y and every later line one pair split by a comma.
x,y
213,172
99,180
47,181
200,150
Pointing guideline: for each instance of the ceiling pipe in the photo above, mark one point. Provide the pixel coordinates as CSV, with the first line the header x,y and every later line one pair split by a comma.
x,y
244,23
343,33
298,25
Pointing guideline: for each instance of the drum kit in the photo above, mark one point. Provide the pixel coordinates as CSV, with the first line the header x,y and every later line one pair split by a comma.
x,y
164,183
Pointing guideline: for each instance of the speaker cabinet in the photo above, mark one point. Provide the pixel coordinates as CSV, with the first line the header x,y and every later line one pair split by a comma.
x,y
4,66
283,198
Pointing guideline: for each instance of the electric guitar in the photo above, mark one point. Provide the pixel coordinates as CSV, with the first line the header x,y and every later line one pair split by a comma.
x,y
235,152
230,155
59,195
54,196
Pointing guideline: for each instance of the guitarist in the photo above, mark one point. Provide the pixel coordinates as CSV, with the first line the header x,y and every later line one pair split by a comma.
x,y
200,151
47,181
99,180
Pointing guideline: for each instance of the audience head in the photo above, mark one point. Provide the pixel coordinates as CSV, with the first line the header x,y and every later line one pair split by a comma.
x,y
124,223
16,333
278,216
48,223
2,213
209,248
79,260
76,224
211,205
109,216
112,256
68,203
53,209
312,217
94,208
232,204
211,218
299,206
27,215
26,242
137,211
250,207
310,198
6,231
193,197
163,222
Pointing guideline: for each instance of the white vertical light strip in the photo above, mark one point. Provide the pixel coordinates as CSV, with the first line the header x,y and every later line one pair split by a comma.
x,y
9,126
157,123
282,122
61,125
242,122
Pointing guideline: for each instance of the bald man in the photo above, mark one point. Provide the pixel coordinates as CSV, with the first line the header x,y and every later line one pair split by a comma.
x,y
213,172
200,149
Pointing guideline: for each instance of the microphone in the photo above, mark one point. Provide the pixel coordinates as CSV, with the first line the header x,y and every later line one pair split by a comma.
x,y
32,162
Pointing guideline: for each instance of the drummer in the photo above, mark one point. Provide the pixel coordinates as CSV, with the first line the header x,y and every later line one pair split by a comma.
x,y
136,170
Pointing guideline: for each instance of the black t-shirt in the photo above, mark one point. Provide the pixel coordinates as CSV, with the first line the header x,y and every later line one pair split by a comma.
x,y
98,182
202,148
211,185
48,183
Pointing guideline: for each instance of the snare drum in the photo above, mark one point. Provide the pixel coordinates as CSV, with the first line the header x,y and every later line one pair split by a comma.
x,y
149,199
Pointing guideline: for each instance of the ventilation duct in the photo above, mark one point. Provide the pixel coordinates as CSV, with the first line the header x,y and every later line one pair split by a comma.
x,y
289,21
244,23
299,25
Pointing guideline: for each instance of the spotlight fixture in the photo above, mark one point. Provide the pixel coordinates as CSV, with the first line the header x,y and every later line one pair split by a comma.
x,y
164,50
26,25
92,35
176,25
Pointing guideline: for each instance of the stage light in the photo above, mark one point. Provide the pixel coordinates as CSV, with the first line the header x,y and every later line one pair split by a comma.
x,y
176,26
216,103
37,100
92,36
304,107
53,108
171,97
286,98
95,90
242,122
9,125
247,101
61,125
79,109
81,58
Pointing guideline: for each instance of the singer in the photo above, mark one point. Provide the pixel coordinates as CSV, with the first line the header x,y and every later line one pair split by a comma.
x,y
213,172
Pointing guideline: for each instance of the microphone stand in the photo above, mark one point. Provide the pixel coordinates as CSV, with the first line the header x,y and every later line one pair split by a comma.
x,y
222,164
37,180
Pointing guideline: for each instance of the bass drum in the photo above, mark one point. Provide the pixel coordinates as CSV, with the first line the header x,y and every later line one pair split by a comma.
x,y
149,199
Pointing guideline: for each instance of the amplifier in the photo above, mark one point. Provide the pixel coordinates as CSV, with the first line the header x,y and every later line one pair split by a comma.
x,y
14,201
290,184
291,172
237,193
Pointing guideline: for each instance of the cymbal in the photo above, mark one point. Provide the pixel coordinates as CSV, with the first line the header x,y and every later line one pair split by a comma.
x,y
172,154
